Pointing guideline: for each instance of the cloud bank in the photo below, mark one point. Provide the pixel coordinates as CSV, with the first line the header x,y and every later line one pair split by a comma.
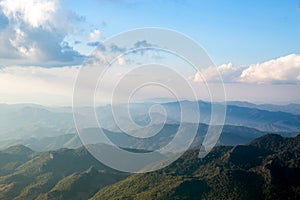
x,y
283,70
256,83
32,13
33,32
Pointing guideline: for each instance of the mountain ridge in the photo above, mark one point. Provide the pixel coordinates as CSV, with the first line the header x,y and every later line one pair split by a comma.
x,y
225,173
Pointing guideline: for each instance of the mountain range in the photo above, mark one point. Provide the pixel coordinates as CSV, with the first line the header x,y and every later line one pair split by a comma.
x,y
62,174
48,128
231,135
265,168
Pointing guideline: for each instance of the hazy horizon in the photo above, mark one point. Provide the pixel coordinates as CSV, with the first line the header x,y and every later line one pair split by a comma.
x,y
45,45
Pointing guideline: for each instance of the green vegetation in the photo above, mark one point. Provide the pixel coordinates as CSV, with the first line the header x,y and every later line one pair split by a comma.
x,y
267,168
62,174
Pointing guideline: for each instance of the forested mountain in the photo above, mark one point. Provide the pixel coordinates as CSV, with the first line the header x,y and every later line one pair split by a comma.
x,y
266,168
61,174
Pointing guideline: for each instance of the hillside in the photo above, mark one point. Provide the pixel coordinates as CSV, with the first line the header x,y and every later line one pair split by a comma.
x,y
266,168
61,174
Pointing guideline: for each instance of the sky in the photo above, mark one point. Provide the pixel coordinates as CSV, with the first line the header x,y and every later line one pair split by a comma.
x,y
255,45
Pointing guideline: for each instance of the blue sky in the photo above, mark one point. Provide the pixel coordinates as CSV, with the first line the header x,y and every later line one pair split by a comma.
x,y
254,44
242,32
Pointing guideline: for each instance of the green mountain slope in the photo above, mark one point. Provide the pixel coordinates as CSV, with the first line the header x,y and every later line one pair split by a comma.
x,y
13,157
52,175
267,168
81,185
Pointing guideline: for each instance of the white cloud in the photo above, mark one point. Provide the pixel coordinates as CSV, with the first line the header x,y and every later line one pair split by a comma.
x,y
95,36
20,44
55,85
121,60
33,12
281,70
225,72
34,31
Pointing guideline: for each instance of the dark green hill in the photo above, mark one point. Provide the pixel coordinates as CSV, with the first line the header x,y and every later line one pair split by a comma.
x,y
13,157
18,149
267,168
52,175
81,185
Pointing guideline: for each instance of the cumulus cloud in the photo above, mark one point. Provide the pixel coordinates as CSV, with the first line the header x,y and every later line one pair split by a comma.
x,y
95,36
281,70
121,60
55,85
32,12
20,44
225,72
285,69
34,31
